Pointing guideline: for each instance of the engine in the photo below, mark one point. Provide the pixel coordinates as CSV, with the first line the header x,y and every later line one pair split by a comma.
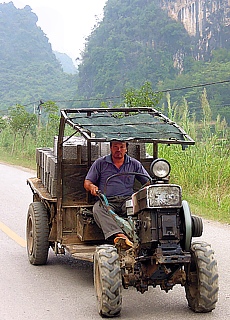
x,y
158,223
158,216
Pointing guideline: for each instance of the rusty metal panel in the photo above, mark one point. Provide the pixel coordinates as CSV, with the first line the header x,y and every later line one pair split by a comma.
x,y
82,251
73,191
69,218
87,229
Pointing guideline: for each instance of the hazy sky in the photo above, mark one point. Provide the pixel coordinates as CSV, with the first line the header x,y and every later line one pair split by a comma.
x,y
65,22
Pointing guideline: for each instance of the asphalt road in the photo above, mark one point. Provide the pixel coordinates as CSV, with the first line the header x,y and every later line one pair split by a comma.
x,y
63,289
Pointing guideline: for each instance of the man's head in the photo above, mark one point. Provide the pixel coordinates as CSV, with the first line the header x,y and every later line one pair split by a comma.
x,y
118,149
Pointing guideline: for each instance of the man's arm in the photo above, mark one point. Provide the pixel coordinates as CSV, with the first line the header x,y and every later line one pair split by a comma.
x,y
89,186
143,180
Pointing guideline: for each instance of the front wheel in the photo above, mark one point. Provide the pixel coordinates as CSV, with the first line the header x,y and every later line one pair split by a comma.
x,y
37,233
202,278
107,280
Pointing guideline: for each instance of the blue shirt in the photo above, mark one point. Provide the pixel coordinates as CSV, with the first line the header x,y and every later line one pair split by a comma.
x,y
121,185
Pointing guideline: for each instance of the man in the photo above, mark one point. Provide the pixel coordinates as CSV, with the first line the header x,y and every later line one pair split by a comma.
x,y
117,189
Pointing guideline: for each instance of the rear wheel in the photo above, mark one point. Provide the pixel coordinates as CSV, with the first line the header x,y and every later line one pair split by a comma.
x,y
107,280
37,233
202,278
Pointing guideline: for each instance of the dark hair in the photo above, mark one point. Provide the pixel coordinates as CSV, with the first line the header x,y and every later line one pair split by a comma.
x,y
121,141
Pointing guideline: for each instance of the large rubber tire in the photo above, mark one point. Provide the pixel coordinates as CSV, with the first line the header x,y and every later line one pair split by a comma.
x,y
202,278
107,280
37,233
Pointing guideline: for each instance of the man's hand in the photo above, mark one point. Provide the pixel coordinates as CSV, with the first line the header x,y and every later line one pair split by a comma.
x,y
94,190
89,186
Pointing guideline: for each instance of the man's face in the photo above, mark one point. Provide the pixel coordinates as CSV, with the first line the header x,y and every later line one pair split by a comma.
x,y
118,150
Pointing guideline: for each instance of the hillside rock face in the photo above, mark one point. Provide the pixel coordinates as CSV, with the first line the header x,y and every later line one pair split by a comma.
x,y
29,70
206,20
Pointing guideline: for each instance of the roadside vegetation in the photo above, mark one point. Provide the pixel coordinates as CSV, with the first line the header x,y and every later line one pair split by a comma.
x,y
203,170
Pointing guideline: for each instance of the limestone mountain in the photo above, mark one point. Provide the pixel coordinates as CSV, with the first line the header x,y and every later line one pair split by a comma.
x,y
29,70
66,62
172,44
207,21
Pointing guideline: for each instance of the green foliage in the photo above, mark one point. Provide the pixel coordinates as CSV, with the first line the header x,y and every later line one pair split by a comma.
x,y
143,97
29,70
21,123
132,45
3,123
200,72
203,171
50,108
137,42
50,125
221,55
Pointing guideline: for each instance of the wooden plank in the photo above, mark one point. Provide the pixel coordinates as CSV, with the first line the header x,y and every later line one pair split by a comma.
x,y
37,187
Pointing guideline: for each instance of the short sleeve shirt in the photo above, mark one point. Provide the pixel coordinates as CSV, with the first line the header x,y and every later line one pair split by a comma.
x,y
121,185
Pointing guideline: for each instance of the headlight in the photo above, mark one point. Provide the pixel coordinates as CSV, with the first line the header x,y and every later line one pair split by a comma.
x,y
160,168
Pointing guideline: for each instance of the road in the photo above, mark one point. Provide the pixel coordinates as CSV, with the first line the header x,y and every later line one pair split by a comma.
x,y
63,289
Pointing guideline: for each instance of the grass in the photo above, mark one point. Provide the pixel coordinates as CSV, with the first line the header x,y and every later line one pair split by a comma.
x,y
17,160
203,172
201,206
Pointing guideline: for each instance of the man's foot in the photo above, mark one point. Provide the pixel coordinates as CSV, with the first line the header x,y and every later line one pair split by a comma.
x,y
122,240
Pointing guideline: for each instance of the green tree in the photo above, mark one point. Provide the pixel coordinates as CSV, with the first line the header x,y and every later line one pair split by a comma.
x,y
29,70
132,45
3,124
143,97
48,122
53,118
21,123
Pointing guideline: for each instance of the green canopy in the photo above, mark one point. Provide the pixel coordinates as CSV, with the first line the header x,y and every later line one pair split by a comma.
x,y
126,124
138,126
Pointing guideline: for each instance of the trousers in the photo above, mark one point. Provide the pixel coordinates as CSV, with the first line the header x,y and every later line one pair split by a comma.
x,y
105,220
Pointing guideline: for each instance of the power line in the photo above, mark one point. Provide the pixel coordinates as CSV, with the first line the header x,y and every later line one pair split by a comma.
x,y
164,91
195,86
119,97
